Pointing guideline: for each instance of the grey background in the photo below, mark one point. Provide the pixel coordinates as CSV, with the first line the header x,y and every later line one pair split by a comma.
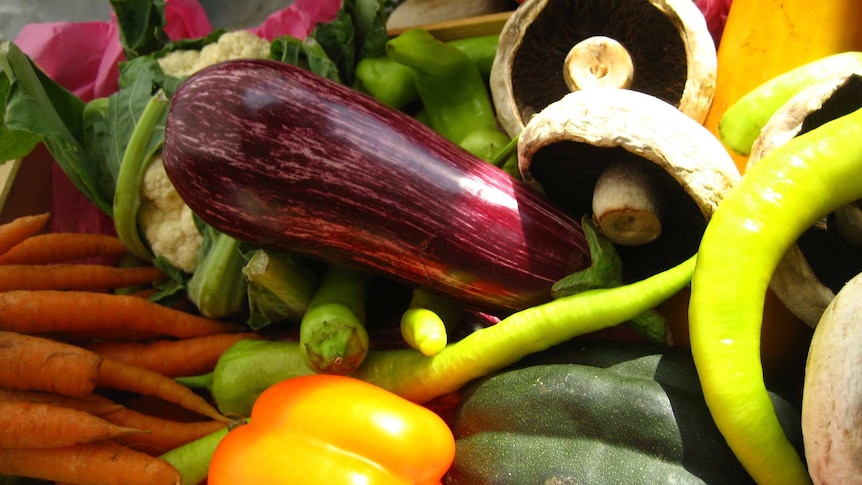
x,y
14,14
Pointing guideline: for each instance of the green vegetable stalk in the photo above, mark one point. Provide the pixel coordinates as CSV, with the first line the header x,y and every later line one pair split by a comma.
x,y
138,153
606,271
280,287
778,199
217,286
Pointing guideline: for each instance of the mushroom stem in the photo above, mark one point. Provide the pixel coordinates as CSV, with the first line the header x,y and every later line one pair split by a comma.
x,y
627,204
848,219
598,62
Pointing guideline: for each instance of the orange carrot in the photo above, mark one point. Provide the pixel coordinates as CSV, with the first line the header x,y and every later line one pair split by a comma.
x,y
94,404
19,229
102,462
40,425
51,311
80,277
172,358
162,434
33,363
63,247
114,374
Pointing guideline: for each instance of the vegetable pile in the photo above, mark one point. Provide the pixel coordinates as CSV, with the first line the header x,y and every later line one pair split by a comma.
x,y
309,252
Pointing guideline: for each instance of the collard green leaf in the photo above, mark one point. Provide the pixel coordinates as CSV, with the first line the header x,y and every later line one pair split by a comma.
x,y
14,144
38,105
141,24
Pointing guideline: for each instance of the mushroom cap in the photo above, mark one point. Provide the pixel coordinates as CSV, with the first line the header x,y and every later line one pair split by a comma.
x,y
832,390
821,261
672,51
564,148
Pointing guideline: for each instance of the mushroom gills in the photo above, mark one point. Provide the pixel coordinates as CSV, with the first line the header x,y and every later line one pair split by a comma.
x,y
666,41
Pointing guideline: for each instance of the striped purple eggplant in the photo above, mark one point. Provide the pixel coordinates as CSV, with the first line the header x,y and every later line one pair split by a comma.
x,y
281,158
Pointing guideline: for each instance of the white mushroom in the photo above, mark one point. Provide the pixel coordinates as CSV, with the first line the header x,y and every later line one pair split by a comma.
x,y
567,149
666,43
828,254
832,391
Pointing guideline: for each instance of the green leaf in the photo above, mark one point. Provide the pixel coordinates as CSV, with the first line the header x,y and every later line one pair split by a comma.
x,y
371,35
41,107
307,54
337,40
14,144
141,24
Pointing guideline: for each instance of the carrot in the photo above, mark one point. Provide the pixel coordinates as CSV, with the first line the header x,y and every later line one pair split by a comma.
x,y
74,276
63,247
102,462
162,434
114,374
51,311
19,229
40,425
33,363
172,358
93,404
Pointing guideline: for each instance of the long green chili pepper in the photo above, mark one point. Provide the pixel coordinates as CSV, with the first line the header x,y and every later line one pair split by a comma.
x,y
452,90
250,366
741,123
423,324
332,332
421,378
778,199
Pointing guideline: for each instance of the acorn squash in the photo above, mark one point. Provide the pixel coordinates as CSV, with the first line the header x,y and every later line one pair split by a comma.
x,y
599,412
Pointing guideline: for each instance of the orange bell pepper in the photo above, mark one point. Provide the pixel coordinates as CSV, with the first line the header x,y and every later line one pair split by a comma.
x,y
334,429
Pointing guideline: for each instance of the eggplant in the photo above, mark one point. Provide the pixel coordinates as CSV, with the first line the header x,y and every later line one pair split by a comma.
x,y
279,157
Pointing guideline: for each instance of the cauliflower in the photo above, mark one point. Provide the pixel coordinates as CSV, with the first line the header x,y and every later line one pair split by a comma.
x,y
240,44
166,220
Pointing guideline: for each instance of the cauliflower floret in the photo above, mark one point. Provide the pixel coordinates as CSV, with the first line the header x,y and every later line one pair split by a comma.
x,y
180,63
166,220
239,44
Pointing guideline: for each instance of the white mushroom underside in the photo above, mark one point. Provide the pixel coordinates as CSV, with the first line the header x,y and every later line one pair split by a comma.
x,y
643,125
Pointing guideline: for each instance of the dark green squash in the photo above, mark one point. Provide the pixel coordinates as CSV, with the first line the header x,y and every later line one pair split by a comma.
x,y
596,412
